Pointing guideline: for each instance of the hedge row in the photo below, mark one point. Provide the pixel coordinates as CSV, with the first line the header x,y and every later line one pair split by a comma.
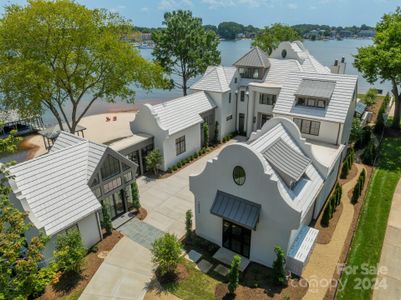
x,y
356,193
332,204
347,164
197,154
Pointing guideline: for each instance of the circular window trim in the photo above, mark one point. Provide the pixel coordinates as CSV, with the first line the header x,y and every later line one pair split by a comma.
x,y
284,53
239,180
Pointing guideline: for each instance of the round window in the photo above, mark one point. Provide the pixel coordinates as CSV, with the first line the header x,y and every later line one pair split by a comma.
x,y
284,53
239,175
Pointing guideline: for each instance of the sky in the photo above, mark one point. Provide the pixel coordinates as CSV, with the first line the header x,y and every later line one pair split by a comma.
x,y
149,13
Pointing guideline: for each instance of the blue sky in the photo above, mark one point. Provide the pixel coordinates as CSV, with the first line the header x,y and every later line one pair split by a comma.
x,y
255,12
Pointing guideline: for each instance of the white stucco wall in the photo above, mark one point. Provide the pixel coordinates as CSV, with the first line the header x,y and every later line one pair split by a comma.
x,y
192,144
346,131
277,218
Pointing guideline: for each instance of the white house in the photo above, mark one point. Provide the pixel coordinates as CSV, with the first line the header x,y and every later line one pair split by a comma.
x,y
64,188
265,192
290,83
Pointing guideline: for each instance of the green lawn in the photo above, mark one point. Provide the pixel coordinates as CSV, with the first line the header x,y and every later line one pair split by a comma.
x,y
369,236
197,286
73,296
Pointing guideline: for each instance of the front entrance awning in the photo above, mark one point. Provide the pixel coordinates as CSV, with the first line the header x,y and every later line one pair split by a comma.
x,y
236,209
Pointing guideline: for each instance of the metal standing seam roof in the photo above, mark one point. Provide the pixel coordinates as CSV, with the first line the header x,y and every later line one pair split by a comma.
x,y
181,113
316,88
338,106
235,209
216,79
286,160
256,58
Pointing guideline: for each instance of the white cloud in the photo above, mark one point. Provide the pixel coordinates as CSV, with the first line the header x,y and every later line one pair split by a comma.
x,y
292,6
174,4
213,4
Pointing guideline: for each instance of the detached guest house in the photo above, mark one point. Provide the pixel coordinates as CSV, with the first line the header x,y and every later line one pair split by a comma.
x,y
64,188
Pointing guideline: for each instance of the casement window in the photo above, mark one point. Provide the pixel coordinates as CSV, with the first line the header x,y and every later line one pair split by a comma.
x,y
242,98
307,126
229,97
180,145
229,117
267,99
110,167
111,185
264,118
127,177
311,102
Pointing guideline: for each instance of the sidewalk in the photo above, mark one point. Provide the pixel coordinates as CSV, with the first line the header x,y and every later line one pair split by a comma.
x,y
323,262
390,261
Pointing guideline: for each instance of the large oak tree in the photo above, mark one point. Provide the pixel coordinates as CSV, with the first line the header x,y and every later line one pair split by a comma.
x,y
184,48
54,53
382,60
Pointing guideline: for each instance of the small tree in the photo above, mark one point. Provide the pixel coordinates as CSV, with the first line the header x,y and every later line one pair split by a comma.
x,y
205,129
279,277
70,252
369,154
345,169
356,130
154,160
135,195
106,219
339,193
188,223
233,275
326,216
216,133
370,97
166,253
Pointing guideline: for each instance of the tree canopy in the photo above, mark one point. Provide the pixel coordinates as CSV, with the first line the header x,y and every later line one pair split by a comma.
x,y
382,60
270,37
184,48
58,52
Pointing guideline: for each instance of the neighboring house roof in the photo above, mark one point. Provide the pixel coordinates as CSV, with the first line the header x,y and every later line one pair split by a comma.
x,y
316,88
256,58
215,79
286,160
302,193
236,209
339,103
53,188
181,113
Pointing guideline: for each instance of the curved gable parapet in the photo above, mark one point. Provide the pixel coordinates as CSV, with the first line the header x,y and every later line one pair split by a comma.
x,y
259,187
145,118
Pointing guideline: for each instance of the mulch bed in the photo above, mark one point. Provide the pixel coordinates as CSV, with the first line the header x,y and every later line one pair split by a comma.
x,y
69,283
326,232
352,173
141,213
347,244
256,284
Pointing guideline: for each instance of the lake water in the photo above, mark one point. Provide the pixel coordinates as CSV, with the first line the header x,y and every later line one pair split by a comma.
x,y
324,51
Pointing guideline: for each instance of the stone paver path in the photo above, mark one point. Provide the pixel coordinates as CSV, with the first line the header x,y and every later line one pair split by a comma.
x,y
141,232
390,260
323,261
204,266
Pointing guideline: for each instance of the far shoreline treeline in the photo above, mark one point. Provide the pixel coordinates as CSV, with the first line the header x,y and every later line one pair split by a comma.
x,y
233,30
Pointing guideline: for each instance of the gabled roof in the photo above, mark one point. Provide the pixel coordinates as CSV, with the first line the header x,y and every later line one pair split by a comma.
x,y
338,106
181,113
53,188
216,79
316,88
285,160
256,58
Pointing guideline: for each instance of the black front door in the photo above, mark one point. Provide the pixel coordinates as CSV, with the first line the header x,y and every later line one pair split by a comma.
x,y
241,124
236,238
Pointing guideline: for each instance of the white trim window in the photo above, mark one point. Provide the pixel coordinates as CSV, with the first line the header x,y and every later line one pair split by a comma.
x,y
308,126
180,145
311,102
267,99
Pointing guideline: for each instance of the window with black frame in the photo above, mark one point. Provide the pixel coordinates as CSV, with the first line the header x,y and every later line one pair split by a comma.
x,y
180,145
110,167
307,126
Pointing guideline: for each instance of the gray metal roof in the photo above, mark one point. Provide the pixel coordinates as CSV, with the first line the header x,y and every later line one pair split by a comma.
x,y
216,79
53,131
286,161
316,88
236,209
254,58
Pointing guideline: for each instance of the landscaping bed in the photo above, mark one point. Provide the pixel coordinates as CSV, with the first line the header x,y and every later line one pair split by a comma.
x,y
326,232
71,286
369,235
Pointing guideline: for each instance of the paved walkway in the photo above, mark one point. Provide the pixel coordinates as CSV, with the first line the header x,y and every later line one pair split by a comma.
x,y
124,274
323,261
127,270
390,260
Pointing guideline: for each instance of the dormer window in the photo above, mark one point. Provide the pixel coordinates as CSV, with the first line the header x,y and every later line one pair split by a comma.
x,y
314,93
311,102
256,74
